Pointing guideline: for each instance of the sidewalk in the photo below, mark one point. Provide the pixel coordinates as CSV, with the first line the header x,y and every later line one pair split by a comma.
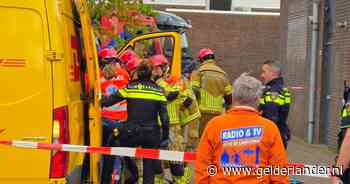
x,y
310,154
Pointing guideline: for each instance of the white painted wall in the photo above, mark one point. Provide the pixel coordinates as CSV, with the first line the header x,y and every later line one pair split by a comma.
x,y
177,2
256,3
235,3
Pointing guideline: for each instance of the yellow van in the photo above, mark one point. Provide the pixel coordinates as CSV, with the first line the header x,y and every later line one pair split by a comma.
x,y
47,49
42,76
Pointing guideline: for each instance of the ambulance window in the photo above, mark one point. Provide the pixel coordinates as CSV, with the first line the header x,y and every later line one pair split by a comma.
x,y
161,45
168,47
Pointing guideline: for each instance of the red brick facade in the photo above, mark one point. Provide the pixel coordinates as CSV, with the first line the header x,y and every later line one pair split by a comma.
x,y
241,42
296,38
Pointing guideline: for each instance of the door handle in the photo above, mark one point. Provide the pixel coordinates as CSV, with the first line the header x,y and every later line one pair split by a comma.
x,y
38,138
2,130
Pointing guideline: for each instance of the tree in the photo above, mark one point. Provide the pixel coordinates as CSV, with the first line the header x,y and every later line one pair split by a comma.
x,y
128,14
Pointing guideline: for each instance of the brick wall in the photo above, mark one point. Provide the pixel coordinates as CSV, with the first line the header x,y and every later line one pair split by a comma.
x,y
284,33
241,42
295,60
341,66
296,37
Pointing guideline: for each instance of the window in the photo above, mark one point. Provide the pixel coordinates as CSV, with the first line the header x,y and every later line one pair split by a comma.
x,y
154,46
220,5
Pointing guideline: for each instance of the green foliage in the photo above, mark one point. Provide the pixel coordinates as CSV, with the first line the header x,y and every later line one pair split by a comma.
x,y
147,10
122,10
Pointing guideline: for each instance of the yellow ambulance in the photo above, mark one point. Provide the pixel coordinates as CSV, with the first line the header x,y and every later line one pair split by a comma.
x,y
42,74
48,71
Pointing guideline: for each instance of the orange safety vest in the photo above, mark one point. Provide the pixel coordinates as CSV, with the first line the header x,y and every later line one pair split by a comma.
x,y
118,111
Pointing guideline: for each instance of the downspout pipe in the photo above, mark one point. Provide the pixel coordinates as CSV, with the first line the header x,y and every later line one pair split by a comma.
x,y
326,71
312,77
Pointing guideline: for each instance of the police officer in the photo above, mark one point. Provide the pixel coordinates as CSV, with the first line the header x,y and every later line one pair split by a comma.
x,y
211,86
343,158
275,101
145,103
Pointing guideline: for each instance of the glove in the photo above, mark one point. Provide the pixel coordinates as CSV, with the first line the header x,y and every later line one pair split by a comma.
x,y
187,102
172,96
164,144
196,93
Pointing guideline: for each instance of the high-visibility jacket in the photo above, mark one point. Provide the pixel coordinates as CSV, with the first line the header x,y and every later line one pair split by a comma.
x,y
345,123
173,106
191,113
146,104
118,111
275,104
213,85
240,138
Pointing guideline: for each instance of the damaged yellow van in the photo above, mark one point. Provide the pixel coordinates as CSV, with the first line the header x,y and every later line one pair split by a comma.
x,y
46,49
50,88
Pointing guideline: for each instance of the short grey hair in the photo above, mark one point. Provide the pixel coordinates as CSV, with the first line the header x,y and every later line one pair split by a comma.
x,y
247,90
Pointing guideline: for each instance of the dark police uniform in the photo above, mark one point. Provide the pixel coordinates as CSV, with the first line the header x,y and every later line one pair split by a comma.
x,y
344,126
145,103
275,104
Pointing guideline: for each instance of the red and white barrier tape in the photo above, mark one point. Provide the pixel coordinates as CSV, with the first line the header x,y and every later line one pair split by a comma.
x,y
118,151
308,170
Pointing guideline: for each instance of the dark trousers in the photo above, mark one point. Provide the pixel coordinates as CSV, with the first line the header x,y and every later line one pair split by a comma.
x,y
108,139
285,135
285,141
146,137
205,118
346,176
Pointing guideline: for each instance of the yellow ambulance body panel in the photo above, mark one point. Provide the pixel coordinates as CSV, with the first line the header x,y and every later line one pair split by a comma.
x,y
42,67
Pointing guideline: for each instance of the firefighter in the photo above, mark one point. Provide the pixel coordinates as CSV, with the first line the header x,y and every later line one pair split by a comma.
x,y
130,60
343,158
146,102
276,99
176,101
211,86
190,119
240,138
113,77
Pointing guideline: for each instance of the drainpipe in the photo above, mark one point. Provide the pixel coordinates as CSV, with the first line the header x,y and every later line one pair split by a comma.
x,y
312,77
326,72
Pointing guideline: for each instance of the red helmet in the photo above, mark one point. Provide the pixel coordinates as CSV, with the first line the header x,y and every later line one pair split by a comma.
x,y
107,53
158,60
106,23
204,52
131,59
